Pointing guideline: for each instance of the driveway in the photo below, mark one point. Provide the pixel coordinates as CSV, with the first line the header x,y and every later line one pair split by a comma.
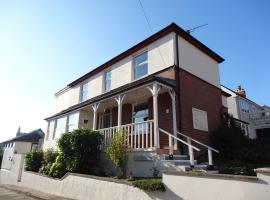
x,y
12,192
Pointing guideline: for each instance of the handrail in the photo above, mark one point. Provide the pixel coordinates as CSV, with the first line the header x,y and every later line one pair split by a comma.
x,y
196,141
124,125
169,134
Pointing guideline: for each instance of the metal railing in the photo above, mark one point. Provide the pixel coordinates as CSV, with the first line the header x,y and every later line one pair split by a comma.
x,y
209,149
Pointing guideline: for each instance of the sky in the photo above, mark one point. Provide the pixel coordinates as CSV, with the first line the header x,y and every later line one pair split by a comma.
x,y
46,44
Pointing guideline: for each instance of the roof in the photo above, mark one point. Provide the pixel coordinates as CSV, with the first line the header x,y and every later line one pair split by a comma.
x,y
238,95
171,28
140,82
33,136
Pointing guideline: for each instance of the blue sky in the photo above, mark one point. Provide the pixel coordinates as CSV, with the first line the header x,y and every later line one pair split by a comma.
x,y
46,44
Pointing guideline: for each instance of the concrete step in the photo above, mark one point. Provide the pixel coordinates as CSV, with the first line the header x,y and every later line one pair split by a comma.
x,y
179,162
175,157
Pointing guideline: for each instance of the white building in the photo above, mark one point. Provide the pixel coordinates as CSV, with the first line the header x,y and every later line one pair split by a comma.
x,y
257,117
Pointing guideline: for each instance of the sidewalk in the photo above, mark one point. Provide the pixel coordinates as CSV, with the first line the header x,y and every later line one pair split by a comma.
x,y
32,194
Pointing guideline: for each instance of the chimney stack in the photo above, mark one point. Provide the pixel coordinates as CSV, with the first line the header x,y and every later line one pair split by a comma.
x,y
240,91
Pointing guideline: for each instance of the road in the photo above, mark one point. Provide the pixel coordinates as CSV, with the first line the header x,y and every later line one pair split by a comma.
x,y
6,194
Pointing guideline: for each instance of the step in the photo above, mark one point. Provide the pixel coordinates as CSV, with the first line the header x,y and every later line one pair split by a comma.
x,y
175,157
179,162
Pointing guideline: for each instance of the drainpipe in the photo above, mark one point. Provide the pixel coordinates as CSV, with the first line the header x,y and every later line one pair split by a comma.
x,y
178,93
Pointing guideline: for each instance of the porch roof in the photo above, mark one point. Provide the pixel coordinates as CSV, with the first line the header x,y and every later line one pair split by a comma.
x,y
127,87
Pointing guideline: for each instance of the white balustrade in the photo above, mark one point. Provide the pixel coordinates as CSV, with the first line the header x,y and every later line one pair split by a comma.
x,y
139,135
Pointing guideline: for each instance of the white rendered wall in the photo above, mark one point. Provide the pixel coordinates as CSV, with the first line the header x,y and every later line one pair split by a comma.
x,y
198,63
6,160
160,56
22,147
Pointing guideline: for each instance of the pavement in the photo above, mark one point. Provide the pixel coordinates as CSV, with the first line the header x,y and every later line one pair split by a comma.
x,y
12,192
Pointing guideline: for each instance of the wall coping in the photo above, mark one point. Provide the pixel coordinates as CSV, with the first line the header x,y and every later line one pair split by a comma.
x,y
214,176
100,178
263,170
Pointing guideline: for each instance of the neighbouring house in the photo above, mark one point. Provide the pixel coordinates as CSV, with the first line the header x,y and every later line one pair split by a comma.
x,y
251,117
162,89
21,144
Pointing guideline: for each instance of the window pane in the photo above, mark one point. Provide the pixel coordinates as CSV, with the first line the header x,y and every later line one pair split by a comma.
x,y
84,92
51,129
107,81
140,114
141,71
140,65
60,127
73,121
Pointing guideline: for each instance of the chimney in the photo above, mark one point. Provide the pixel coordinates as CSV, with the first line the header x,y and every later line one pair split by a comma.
x,y
240,91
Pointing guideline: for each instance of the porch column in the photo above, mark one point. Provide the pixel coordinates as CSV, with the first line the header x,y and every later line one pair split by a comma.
x,y
155,90
172,94
119,101
95,108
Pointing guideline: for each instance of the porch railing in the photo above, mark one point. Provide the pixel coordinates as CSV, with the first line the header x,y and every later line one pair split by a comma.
x,y
139,135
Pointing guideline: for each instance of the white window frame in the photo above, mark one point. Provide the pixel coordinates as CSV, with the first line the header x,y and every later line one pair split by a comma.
x,y
200,115
68,121
50,130
132,118
82,92
105,80
56,128
134,65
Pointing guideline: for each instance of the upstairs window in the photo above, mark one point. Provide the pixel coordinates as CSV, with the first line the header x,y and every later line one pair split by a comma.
x,y
73,120
107,81
84,92
140,65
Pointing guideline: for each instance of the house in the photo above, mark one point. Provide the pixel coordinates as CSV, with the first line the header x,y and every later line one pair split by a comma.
x,y
21,144
162,87
253,118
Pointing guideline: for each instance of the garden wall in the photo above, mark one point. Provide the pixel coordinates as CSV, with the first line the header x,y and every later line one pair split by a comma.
x,y
179,185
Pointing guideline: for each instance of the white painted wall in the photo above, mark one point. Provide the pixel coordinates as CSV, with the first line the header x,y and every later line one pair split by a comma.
x,y
198,188
122,72
22,147
198,63
6,160
224,101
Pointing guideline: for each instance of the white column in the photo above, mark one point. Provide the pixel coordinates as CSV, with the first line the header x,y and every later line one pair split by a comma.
x,y
155,90
119,101
95,108
172,94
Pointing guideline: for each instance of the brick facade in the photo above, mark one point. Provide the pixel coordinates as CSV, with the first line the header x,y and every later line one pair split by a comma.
x,y
201,95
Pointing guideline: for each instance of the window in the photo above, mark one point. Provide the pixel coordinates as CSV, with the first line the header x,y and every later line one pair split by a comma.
x,y
50,129
73,120
60,127
140,114
200,121
244,106
140,65
84,92
106,118
107,81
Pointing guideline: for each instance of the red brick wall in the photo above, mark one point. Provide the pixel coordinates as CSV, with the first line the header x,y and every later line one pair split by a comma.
x,y
164,119
197,93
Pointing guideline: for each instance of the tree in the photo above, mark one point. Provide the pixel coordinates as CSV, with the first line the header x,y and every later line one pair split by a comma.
x,y
118,152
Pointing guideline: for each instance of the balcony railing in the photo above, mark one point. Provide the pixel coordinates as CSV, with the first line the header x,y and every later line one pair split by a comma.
x,y
139,135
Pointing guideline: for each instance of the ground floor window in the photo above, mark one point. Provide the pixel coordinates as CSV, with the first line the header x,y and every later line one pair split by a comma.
x,y
60,127
73,120
140,114
200,121
105,119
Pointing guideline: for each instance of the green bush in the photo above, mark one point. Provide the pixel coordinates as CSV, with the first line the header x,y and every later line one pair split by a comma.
x,y
58,168
49,157
33,161
149,185
80,149
117,152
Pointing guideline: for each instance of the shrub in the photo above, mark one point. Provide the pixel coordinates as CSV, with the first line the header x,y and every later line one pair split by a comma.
x,y
33,160
58,168
117,152
49,157
149,185
79,149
